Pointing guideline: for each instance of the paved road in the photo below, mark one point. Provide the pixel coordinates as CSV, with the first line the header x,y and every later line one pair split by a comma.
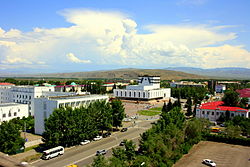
x,y
83,155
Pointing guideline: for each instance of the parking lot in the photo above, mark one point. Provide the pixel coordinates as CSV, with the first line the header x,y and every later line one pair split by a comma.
x,y
224,155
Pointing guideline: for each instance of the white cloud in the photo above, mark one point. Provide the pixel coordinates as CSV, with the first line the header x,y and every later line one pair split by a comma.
x,y
74,59
111,38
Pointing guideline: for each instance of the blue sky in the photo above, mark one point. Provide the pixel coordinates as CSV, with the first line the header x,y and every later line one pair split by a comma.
x,y
86,35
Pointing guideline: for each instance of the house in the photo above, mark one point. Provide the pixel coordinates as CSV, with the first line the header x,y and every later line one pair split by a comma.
x,y
213,111
220,88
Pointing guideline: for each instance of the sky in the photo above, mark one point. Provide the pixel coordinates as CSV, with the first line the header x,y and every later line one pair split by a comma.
x,y
45,36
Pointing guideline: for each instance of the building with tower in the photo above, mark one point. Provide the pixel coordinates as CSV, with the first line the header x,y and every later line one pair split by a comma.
x,y
148,88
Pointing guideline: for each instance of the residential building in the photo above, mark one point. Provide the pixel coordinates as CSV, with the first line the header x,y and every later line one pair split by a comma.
x,y
186,84
9,111
213,111
148,88
44,106
244,93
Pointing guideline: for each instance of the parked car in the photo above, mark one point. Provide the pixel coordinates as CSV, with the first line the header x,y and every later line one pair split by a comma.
x,y
124,129
101,152
208,162
215,130
85,142
222,125
97,138
122,143
106,134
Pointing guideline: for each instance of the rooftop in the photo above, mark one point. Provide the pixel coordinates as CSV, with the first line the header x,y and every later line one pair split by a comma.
x,y
10,104
244,92
6,84
218,105
74,97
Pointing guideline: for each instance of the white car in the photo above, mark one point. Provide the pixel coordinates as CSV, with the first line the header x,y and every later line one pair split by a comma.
x,y
85,142
97,138
209,162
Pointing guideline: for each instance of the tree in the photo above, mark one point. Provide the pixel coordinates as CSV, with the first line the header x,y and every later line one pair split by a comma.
x,y
170,105
164,108
118,112
10,139
189,107
231,98
100,161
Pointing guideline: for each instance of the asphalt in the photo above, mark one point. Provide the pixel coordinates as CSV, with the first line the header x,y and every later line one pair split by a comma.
x,y
83,155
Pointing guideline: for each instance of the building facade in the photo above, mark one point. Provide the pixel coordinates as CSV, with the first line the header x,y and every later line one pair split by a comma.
x,y
148,88
213,110
220,88
244,93
9,111
44,106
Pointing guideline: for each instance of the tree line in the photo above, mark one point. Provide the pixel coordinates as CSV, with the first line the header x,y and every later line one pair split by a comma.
x,y
68,127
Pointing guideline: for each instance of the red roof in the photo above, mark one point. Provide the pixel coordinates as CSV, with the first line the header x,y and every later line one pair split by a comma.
x,y
244,92
217,105
6,83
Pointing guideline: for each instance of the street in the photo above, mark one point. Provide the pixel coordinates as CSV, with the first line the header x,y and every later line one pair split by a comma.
x,y
83,155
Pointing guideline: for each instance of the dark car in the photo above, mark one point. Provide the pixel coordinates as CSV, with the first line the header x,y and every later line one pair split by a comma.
x,y
106,134
101,152
124,129
122,143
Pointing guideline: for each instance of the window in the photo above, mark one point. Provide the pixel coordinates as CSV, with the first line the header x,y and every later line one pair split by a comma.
x,y
14,113
9,114
144,94
242,115
212,113
125,93
203,112
134,94
217,113
208,113
4,115
129,94
139,94
232,115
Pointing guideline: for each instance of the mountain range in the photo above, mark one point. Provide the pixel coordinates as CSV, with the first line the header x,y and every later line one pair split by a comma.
x,y
226,73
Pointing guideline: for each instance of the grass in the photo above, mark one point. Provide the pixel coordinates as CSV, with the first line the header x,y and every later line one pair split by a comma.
x,y
149,112
31,148
156,109
32,157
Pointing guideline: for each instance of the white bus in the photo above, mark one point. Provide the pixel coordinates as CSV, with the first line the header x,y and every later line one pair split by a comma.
x,y
53,152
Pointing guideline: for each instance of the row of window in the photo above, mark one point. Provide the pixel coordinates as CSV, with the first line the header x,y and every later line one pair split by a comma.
x,y
23,96
140,94
219,113
9,115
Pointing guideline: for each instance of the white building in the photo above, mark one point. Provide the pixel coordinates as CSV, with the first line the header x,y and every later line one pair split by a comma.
x,y
220,88
27,94
44,106
186,84
213,110
148,88
9,111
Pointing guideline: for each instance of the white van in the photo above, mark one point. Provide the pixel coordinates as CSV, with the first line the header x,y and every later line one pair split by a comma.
x,y
53,152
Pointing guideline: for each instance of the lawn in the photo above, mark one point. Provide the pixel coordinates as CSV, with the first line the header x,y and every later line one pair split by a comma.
x,y
149,112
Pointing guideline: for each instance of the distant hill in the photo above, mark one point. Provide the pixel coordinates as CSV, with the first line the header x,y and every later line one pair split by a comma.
x,y
122,73
229,72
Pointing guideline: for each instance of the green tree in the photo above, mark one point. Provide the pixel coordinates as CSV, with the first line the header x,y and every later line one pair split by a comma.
x,y
189,107
231,98
100,161
164,108
233,131
118,112
10,139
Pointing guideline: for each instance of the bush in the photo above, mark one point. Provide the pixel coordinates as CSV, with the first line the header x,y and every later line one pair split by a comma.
x,y
229,140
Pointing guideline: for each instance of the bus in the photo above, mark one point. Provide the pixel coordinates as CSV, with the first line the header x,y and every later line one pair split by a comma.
x,y
53,152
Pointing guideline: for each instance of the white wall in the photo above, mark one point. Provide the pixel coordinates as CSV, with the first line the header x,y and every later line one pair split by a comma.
x,y
45,106
9,111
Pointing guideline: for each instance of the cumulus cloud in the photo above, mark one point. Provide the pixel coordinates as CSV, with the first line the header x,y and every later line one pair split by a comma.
x,y
74,59
112,38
